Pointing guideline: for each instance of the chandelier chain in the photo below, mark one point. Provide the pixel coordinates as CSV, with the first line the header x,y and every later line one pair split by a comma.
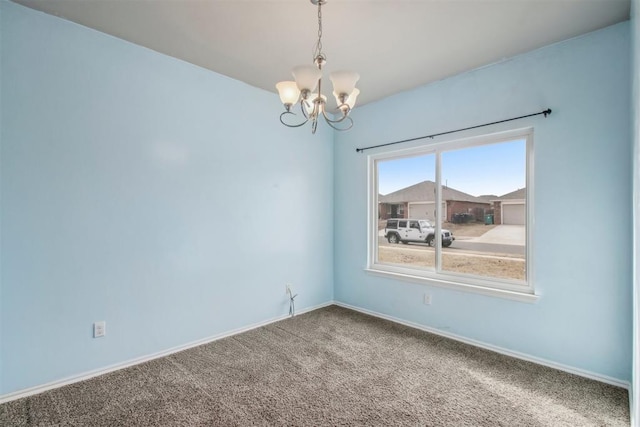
x,y
318,48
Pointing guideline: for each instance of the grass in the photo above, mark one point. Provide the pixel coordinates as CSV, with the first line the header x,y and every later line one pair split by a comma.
x,y
479,265
472,229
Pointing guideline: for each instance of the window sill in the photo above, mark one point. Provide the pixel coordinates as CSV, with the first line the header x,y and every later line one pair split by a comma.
x,y
521,296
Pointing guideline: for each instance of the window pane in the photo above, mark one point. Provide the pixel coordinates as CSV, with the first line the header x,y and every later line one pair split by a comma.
x,y
483,188
405,228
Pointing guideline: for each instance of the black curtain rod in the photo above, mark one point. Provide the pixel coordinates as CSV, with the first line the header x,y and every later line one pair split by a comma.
x,y
545,112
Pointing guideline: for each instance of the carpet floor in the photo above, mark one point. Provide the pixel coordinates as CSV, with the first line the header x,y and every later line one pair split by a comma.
x,y
334,367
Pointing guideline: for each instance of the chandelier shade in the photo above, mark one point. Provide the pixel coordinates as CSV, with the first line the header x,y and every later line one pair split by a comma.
x,y
312,104
352,98
307,90
289,92
344,81
350,101
307,77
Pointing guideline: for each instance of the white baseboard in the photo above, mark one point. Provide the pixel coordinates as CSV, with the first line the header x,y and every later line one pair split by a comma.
x,y
516,354
101,371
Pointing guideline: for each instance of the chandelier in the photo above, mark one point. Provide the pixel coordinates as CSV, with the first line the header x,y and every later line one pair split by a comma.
x,y
308,78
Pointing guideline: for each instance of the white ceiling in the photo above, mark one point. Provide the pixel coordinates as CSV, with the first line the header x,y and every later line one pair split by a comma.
x,y
394,45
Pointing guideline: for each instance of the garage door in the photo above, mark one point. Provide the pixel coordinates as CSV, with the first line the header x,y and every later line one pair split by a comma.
x,y
425,210
513,214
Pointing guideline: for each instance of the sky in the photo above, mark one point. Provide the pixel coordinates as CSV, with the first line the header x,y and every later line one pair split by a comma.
x,y
495,169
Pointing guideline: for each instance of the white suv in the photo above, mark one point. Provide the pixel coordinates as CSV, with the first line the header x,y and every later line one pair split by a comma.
x,y
415,230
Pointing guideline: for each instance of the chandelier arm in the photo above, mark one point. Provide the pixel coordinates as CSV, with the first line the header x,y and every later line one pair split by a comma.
x,y
317,108
326,117
331,122
288,125
303,109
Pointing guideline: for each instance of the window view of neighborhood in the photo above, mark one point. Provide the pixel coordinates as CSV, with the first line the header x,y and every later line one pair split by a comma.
x,y
482,211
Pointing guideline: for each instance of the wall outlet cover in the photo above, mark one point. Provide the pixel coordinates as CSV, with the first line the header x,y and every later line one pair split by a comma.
x,y
99,329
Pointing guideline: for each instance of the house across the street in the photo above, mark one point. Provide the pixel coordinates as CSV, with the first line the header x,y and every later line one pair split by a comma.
x,y
510,208
418,201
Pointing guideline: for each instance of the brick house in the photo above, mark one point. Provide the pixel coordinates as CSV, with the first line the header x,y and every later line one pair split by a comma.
x,y
511,208
418,201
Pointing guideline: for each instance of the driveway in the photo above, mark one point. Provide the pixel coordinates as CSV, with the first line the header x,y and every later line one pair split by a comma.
x,y
503,235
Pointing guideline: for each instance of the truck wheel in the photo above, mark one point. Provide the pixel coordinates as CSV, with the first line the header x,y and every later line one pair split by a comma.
x,y
446,244
431,241
393,238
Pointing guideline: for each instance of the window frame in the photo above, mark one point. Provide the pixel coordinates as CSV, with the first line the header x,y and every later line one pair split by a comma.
x,y
504,288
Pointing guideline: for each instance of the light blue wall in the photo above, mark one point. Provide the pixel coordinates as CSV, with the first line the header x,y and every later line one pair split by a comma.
x,y
635,112
582,239
1,345
121,169
146,192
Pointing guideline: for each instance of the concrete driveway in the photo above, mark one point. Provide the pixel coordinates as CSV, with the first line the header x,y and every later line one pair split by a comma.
x,y
503,235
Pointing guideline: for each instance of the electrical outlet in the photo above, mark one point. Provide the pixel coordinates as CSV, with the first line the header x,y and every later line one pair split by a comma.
x,y
99,329
427,299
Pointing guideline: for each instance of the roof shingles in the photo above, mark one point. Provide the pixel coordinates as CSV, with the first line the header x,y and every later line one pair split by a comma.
x,y
425,191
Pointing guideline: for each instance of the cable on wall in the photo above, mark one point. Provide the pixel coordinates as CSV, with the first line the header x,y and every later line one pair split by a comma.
x,y
545,112
292,304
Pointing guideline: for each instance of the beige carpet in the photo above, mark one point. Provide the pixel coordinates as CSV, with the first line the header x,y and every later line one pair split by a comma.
x,y
329,367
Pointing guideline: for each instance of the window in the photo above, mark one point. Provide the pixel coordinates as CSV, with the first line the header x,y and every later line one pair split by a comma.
x,y
468,204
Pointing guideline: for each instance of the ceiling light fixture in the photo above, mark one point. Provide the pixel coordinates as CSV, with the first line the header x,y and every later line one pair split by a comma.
x,y
312,103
